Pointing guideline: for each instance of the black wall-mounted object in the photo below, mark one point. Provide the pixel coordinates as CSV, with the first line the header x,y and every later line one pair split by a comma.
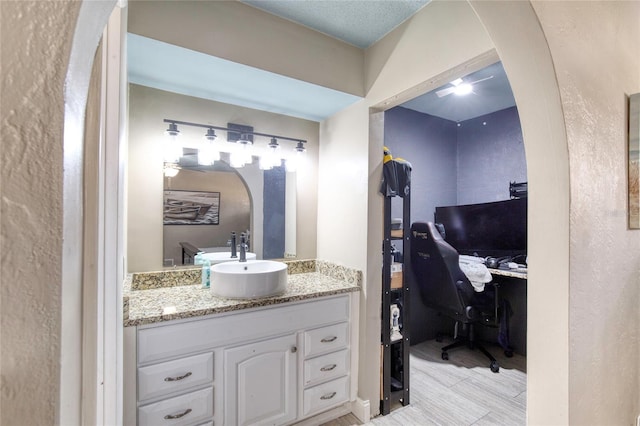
x,y
517,190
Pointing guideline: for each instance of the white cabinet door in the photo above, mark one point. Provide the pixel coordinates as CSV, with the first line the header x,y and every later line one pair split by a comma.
x,y
260,382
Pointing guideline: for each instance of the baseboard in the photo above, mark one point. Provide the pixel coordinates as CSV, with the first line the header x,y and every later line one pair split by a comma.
x,y
360,408
326,416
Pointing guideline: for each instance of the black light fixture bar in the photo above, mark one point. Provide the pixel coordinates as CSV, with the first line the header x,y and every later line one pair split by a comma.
x,y
209,126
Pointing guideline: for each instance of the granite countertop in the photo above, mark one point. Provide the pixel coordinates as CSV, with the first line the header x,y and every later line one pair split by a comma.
x,y
162,296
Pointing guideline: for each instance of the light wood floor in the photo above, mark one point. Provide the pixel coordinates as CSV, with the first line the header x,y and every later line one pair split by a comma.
x,y
458,392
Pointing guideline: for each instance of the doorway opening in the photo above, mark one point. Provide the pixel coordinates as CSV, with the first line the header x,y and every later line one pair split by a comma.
x,y
464,142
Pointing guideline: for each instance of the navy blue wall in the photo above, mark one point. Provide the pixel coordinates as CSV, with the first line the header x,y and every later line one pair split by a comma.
x,y
466,163
274,213
490,155
429,144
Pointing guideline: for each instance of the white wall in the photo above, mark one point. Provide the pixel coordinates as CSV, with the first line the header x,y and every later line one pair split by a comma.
x,y
595,50
148,108
246,35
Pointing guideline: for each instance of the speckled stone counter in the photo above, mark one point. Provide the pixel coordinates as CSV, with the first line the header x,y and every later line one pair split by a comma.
x,y
167,295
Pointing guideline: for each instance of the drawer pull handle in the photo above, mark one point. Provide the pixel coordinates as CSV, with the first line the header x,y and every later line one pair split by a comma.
x,y
328,396
175,379
328,367
329,339
177,416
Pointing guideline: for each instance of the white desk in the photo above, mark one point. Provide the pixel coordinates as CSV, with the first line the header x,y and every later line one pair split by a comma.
x,y
513,273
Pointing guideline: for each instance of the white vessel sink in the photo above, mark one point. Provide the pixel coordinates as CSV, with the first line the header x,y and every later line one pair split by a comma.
x,y
248,280
224,256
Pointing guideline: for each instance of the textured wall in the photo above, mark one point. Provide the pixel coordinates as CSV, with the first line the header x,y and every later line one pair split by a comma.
x,y
595,51
36,40
490,155
429,144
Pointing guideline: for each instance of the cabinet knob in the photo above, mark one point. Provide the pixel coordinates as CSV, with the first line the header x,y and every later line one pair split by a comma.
x,y
175,379
328,367
328,396
177,416
294,349
329,339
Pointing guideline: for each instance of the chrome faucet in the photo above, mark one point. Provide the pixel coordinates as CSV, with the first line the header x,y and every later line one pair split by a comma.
x,y
232,243
243,248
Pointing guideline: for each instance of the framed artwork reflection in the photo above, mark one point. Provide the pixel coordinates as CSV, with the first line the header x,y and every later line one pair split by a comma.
x,y
634,161
191,208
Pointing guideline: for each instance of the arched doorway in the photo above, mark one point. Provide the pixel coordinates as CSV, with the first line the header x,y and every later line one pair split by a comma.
x,y
525,55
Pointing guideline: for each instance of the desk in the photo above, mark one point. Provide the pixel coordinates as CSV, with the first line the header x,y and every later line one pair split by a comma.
x,y
513,273
513,287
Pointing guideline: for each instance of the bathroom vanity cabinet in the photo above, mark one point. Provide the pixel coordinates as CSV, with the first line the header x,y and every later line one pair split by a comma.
x,y
268,365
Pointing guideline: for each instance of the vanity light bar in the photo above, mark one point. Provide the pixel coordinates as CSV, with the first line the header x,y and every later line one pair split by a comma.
x,y
174,123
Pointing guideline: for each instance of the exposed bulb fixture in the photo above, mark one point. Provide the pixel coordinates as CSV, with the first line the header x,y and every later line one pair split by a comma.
x,y
210,135
172,149
207,153
293,161
270,159
241,149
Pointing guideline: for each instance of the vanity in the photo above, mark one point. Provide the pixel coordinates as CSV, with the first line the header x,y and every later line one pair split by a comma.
x,y
191,358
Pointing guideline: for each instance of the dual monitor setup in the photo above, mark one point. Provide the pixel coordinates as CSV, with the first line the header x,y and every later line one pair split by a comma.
x,y
496,231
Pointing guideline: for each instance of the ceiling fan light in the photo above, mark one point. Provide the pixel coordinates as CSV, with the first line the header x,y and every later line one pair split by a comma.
x,y
463,89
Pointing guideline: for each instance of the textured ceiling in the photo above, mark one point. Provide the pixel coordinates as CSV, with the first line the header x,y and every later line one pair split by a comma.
x,y
491,95
357,22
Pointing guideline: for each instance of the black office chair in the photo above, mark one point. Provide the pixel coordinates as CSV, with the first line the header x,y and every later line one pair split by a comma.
x,y
445,288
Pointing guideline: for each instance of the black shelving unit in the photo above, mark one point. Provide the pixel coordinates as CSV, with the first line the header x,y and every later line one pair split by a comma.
x,y
395,354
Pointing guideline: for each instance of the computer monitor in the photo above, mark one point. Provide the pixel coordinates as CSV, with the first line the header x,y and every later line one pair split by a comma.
x,y
488,229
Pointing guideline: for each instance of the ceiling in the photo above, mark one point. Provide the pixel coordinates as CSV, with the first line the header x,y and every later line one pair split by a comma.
x,y
358,22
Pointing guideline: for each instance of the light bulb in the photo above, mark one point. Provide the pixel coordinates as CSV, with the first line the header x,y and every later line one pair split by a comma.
x,y
172,146
463,89
207,154
236,159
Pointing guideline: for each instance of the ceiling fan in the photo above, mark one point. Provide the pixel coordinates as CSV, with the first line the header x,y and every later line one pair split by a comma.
x,y
460,87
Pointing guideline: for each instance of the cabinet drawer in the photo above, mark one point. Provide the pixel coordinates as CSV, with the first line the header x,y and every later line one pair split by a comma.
x,y
164,341
192,408
326,395
326,367
173,376
325,339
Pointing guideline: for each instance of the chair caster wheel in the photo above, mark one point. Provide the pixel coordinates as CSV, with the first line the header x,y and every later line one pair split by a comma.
x,y
445,356
494,366
439,337
508,354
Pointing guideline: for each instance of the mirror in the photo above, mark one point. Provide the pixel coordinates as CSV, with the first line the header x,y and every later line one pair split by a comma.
x,y
146,185
203,205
